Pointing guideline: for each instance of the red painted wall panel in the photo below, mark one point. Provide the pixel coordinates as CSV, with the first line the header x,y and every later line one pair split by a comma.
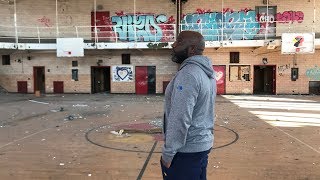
x,y
221,79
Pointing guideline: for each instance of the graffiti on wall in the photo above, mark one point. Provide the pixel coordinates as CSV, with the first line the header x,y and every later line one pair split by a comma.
x,y
122,73
236,25
313,73
143,27
283,68
244,24
290,16
45,21
266,17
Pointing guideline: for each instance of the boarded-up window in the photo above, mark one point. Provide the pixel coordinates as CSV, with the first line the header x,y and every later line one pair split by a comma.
x,y
239,73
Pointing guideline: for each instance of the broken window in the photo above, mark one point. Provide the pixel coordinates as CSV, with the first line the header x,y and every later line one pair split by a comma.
x,y
239,73
74,63
75,74
234,57
126,59
5,59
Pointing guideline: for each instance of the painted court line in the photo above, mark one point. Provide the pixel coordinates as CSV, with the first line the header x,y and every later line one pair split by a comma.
x,y
23,138
147,161
297,139
38,102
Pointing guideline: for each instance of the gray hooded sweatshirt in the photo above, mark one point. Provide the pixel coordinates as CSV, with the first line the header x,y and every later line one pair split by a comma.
x,y
189,108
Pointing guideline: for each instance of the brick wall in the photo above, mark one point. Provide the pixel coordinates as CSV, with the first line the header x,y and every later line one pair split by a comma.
x,y
283,63
59,69
78,13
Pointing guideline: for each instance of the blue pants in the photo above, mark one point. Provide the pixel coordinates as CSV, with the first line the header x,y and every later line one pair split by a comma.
x,y
187,166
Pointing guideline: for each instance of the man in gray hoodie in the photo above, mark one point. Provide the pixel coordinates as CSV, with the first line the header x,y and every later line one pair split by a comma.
x,y
189,111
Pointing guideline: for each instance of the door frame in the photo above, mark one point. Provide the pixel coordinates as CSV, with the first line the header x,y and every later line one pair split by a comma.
x,y
34,78
91,74
274,83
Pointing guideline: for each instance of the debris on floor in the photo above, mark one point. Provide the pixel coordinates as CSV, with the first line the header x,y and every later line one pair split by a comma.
x,y
120,133
72,117
80,105
117,133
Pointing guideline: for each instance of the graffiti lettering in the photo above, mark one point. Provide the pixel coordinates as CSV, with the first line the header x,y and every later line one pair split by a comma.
x,y
283,68
290,16
265,18
45,21
143,28
266,21
237,25
313,73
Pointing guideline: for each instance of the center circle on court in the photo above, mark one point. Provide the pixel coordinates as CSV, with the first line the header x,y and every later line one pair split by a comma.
x,y
140,136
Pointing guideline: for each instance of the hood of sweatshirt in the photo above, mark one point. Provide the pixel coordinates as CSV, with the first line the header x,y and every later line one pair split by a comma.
x,y
203,62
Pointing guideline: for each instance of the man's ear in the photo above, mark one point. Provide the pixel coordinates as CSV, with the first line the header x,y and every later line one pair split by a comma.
x,y
192,50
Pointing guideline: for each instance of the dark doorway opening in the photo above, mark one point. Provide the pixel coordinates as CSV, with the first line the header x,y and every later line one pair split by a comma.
x,y
264,80
39,79
145,79
100,79
314,87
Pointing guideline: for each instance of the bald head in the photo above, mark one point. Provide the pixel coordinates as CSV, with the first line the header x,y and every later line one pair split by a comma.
x,y
188,43
194,39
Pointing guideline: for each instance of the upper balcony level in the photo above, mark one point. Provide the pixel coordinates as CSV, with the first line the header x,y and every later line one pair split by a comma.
x,y
140,24
227,34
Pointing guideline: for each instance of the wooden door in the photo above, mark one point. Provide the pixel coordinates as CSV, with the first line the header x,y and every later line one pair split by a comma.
x,y
22,86
58,87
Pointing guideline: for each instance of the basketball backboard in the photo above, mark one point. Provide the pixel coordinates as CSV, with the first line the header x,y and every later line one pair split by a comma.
x,y
70,47
297,43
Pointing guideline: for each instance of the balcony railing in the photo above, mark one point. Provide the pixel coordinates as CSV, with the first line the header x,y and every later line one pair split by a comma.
x,y
164,32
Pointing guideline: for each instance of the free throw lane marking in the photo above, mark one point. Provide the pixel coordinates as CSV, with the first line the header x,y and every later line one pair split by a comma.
x,y
297,139
38,102
23,138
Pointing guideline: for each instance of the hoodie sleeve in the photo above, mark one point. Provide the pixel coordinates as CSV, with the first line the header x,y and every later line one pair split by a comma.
x,y
183,99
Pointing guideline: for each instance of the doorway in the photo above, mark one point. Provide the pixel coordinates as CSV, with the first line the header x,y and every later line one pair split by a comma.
x,y
100,79
145,79
39,79
314,87
264,80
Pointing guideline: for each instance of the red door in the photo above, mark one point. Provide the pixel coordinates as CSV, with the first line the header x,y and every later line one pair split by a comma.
x,y
58,87
103,23
22,87
220,78
142,80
